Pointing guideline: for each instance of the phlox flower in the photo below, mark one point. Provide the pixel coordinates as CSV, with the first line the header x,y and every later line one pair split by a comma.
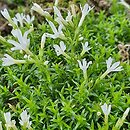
x,y
24,121
29,19
57,33
113,67
85,10
122,120
84,65
9,123
23,41
19,18
86,48
6,15
60,49
106,109
8,60
60,18
38,9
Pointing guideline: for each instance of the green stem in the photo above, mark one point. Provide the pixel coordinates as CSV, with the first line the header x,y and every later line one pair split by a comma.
x,y
99,79
82,53
29,52
41,66
85,77
40,54
67,56
106,122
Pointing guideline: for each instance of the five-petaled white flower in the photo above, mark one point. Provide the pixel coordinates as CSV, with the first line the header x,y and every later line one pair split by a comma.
x,y
106,109
113,67
5,13
84,65
23,41
60,49
38,9
29,19
85,10
57,33
8,60
9,123
19,18
60,19
25,119
85,48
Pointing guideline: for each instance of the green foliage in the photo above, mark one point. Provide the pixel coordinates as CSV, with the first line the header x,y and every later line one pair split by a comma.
x,y
56,95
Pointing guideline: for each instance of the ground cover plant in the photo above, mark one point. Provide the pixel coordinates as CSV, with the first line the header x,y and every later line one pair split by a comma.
x,y
65,73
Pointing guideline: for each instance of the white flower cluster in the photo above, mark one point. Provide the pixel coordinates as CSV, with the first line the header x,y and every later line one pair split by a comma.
x,y
19,19
11,124
23,41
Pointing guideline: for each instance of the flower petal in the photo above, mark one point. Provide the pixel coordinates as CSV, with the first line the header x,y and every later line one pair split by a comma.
x,y
109,62
62,46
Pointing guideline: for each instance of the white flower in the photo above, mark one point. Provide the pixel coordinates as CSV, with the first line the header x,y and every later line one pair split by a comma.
x,y
84,65
85,47
57,12
69,17
106,109
38,9
5,13
43,39
9,123
23,41
57,33
73,10
85,10
113,67
29,19
60,19
124,3
125,113
20,18
8,60
122,120
60,49
15,21
25,119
